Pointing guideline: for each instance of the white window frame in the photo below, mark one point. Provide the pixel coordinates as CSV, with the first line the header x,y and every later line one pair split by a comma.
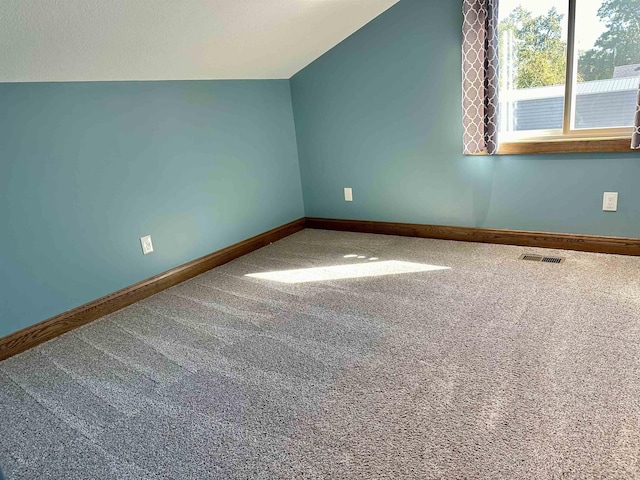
x,y
567,133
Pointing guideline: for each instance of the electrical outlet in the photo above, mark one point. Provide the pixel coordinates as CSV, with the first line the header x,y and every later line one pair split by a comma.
x,y
610,202
348,195
147,246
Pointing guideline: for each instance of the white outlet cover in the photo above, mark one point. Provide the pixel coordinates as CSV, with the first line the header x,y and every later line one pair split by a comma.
x,y
147,246
348,194
610,202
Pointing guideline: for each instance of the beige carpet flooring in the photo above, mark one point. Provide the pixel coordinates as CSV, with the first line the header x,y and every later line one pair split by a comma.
x,y
485,367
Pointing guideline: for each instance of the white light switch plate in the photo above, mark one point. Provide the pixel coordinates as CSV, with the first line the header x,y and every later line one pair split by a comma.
x,y
610,202
348,195
147,246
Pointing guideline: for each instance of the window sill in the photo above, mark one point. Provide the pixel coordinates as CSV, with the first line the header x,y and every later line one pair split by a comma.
x,y
566,146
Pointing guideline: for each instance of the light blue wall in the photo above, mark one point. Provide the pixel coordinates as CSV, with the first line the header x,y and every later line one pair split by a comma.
x,y
381,113
88,168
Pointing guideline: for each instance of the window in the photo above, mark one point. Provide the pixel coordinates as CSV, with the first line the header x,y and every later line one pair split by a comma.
x,y
569,69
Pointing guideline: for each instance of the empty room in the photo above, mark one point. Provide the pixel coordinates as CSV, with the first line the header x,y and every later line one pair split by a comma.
x,y
319,239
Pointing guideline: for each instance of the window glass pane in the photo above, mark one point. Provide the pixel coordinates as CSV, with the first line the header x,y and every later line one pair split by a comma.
x,y
608,47
533,50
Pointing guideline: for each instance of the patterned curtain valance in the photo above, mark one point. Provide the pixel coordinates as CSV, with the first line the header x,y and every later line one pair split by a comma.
x,y
635,139
480,76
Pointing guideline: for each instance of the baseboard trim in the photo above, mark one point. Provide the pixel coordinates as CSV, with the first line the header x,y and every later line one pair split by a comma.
x,y
41,332
563,241
34,335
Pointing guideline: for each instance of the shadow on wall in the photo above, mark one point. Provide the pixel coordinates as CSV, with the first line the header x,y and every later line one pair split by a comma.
x,y
480,171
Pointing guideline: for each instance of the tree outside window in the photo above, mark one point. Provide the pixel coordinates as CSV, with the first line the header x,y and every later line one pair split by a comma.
x,y
605,61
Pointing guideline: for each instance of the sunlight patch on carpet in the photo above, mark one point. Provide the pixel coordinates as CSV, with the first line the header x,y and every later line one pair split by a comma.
x,y
341,272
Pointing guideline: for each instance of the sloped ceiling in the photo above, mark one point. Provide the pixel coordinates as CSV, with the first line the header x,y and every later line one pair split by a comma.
x,y
91,40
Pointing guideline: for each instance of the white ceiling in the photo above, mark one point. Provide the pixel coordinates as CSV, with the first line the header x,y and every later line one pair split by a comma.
x,y
90,40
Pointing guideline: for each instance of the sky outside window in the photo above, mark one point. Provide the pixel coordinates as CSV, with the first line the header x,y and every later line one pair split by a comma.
x,y
532,65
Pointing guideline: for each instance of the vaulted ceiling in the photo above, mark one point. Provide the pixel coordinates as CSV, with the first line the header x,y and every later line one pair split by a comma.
x,y
91,40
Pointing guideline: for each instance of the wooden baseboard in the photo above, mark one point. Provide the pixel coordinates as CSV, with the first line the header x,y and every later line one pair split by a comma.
x,y
41,332
583,243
